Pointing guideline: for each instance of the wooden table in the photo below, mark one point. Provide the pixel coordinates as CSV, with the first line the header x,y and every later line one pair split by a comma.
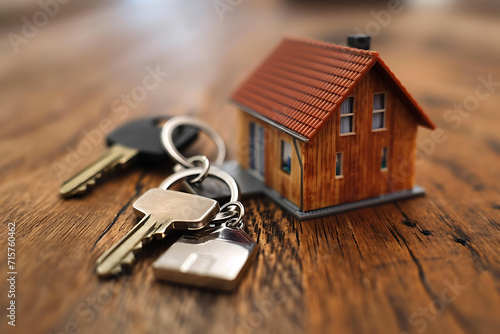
x,y
428,265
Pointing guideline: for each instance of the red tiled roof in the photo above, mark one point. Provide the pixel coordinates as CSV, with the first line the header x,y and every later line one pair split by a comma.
x,y
301,84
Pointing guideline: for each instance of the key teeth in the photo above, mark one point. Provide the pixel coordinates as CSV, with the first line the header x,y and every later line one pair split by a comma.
x,y
128,260
146,240
113,157
113,272
138,247
160,232
159,235
85,186
116,270
89,184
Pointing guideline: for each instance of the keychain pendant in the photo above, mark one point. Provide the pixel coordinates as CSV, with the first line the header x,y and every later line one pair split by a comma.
x,y
214,257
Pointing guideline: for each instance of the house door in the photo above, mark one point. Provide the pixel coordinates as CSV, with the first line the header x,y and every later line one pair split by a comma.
x,y
257,149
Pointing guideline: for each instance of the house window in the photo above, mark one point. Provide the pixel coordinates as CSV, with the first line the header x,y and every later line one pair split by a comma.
x,y
339,168
256,149
286,156
347,115
383,165
378,118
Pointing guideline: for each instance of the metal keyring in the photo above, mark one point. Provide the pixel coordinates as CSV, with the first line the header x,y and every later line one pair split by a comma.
x,y
168,141
206,166
195,171
234,222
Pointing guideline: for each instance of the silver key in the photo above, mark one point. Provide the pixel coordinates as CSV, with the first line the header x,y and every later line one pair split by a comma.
x,y
214,257
161,211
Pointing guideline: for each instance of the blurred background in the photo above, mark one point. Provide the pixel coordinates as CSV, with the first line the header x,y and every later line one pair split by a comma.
x,y
69,68
69,61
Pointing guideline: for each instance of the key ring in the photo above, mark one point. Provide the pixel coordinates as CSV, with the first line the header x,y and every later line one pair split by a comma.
x,y
168,141
235,222
206,166
212,171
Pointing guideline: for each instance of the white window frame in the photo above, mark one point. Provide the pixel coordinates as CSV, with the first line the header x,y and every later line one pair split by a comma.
x,y
341,175
353,132
383,111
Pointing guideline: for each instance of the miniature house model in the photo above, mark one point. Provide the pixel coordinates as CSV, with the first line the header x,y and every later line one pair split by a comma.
x,y
328,128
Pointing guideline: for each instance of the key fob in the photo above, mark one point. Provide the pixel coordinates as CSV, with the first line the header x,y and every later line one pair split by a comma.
x,y
144,135
213,257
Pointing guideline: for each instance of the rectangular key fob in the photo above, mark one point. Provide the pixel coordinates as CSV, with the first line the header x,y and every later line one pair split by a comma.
x,y
213,257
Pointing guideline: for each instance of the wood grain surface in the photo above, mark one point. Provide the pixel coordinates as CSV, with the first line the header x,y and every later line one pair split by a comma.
x,y
428,265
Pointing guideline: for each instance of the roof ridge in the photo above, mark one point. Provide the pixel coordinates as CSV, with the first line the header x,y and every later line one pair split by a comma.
x,y
304,81
338,47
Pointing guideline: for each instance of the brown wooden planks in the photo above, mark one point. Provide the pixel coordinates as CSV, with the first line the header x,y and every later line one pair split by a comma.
x,y
363,177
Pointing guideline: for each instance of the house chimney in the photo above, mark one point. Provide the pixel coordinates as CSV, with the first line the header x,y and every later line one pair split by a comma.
x,y
359,41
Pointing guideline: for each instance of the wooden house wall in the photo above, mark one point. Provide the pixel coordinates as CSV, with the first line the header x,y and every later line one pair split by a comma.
x,y
288,185
362,151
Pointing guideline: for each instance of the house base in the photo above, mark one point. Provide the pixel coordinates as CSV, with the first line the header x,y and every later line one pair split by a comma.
x,y
251,186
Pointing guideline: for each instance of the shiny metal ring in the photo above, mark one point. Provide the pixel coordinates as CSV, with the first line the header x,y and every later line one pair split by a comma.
x,y
206,166
168,141
195,171
223,216
234,222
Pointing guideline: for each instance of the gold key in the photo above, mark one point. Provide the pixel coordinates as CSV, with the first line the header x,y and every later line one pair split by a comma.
x,y
138,140
115,155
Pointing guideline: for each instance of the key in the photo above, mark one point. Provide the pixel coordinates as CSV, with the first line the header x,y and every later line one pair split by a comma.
x,y
161,211
138,140
215,258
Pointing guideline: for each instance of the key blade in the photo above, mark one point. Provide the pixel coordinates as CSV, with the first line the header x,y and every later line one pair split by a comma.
x,y
121,253
113,156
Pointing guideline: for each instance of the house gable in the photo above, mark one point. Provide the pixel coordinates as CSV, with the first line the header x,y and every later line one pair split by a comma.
x,y
362,173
